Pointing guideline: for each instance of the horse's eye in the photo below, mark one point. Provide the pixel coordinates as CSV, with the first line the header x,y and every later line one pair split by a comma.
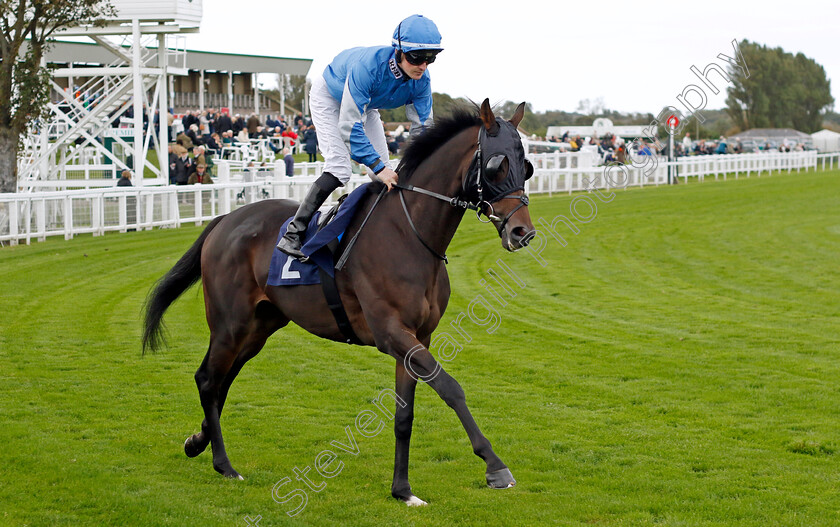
x,y
492,169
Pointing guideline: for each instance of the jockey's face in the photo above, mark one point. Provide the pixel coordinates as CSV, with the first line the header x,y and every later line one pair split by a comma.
x,y
415,72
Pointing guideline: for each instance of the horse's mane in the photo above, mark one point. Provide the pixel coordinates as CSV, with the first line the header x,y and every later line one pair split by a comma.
x,y
444,129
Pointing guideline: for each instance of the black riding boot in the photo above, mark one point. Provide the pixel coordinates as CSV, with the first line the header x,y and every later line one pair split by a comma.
x,y
318,193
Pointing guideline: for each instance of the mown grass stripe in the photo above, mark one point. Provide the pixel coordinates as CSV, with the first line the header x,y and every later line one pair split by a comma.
x,y
675,364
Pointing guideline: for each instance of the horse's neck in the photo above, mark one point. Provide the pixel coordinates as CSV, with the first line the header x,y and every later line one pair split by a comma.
x,y
443,173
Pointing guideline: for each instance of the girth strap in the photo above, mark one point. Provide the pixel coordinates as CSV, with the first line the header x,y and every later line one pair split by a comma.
x,y
330,289
343,260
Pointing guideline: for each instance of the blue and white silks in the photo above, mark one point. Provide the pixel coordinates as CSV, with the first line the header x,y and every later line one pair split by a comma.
x,y
362,79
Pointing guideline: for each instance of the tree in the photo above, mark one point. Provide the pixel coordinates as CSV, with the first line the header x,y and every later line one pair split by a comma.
x,y
24,82
442,105
782,91
592,107
294,87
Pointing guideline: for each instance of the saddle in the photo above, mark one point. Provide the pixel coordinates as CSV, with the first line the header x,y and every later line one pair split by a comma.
x,y
330,215
322,243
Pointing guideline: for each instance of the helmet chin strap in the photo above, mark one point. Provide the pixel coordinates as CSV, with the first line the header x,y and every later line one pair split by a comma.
x,y
399,53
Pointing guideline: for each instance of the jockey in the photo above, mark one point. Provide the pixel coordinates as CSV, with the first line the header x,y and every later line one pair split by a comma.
x,y
345,103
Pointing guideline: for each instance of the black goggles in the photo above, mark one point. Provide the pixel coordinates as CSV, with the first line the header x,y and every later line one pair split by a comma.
x,y
415,58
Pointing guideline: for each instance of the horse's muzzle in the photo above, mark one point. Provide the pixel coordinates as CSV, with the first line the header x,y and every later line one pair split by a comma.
x,y
516,237
513,222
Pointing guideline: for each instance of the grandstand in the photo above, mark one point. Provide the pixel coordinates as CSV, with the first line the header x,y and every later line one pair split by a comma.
x,y
105,94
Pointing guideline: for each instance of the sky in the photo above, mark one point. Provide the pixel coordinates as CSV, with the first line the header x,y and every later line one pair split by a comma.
x,y
551,54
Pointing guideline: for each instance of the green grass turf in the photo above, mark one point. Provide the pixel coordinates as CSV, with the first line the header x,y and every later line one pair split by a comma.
x,y
676,364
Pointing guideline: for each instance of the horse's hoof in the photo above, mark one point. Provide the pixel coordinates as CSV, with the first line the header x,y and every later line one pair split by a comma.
x,y
414,501
232,474
190,449
227,471
500,479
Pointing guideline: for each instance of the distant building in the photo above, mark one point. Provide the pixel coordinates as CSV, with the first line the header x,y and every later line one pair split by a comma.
x,y
826,141
600,127
775,137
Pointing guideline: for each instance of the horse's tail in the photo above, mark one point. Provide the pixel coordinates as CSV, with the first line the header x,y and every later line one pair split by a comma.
x,y
180,278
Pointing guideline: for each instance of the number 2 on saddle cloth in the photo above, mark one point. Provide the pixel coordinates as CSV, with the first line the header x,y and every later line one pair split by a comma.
x,y
286,270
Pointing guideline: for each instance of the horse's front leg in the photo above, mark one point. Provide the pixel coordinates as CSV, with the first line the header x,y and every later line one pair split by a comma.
x,y
404,418
419,363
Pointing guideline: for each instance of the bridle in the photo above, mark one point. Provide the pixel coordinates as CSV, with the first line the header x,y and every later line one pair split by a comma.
x,y
480,169
473,185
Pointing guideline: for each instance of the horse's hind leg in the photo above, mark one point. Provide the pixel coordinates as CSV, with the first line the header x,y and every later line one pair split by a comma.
x,y
197,443
209,378
228,352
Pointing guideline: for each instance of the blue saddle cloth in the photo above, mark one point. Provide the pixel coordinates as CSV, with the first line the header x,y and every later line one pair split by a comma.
x,y
286,270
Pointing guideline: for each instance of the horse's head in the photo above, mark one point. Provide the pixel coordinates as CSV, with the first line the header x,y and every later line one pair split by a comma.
x,y
497,175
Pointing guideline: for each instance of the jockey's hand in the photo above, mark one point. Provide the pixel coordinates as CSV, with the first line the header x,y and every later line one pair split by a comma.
x,y
388,177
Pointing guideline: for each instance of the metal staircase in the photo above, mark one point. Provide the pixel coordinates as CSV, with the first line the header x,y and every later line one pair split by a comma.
x,y
72,131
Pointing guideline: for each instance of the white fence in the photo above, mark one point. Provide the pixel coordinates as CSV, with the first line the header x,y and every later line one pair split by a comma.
x,y
556,173
36,215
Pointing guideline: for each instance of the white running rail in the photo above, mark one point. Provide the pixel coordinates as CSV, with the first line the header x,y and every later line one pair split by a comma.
x,y
35,215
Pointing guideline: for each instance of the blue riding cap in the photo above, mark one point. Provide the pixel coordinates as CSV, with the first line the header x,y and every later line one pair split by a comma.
x,y
416,32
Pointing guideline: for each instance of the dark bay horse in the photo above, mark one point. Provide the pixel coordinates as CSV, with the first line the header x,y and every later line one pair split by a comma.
x,y
394,285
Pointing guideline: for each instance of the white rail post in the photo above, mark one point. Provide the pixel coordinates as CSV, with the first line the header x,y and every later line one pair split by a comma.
x,y
13,222
138,99
175,209
41,219
68,218
163,114
150,210
198,208
122,215
95,213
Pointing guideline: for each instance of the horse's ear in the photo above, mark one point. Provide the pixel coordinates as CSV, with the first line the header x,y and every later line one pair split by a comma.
x,y
518,115
488,118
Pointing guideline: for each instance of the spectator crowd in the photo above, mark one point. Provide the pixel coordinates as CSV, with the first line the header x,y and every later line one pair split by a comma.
x,y
612,148
206,134
211,134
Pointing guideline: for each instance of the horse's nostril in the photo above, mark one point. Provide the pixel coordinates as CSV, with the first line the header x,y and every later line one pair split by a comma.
x,y
518,233
527,236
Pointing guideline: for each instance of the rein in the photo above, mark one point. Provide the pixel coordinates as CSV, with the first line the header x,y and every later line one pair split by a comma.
x,y
416,233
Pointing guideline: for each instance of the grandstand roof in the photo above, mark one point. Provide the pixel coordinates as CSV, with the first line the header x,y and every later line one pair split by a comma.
x,y
65,52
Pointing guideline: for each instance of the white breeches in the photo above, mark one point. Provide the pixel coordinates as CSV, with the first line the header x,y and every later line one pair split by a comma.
x,y
325,110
